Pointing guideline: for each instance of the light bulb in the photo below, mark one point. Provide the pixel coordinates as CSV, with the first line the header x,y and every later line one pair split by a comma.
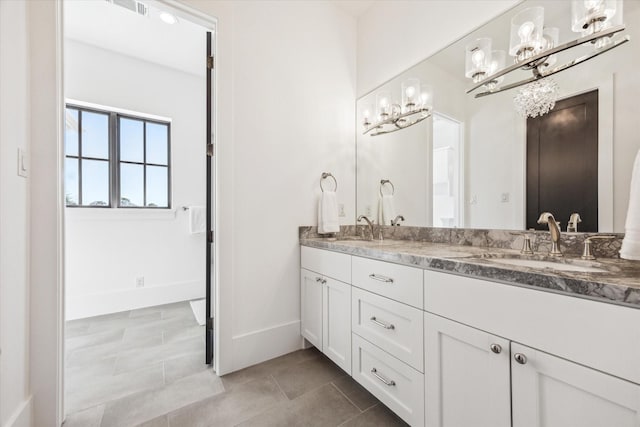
x,y
590,5
366,114
478,58
384,103
410,91
525,31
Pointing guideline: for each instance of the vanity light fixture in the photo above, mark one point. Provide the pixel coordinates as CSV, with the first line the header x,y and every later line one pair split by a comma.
x,y
534,47
416,106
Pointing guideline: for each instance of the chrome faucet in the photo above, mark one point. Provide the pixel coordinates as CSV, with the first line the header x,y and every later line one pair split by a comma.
x,y
574,219
554,230
361,217
397,220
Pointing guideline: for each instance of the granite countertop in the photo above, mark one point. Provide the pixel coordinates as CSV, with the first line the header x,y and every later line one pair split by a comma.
x,y
616,281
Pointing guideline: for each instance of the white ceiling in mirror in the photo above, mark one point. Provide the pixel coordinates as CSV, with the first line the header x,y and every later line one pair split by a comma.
x,y
492,157
355,8
113,27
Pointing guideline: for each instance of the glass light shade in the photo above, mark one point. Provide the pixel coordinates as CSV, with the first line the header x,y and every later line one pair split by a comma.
x,y
426,97
383,104
410,94
498,62
478,59
366,114
526,33
589,16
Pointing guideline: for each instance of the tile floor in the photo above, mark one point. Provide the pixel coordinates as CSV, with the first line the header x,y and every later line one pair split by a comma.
x,y
145,368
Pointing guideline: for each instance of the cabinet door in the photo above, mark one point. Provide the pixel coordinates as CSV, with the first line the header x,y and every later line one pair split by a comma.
x,y
336,325
311,307
553,392
466,376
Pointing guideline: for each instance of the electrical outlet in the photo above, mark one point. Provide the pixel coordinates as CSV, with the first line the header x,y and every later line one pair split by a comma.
x,y
368,211
341,210
474,200
140,282
504,197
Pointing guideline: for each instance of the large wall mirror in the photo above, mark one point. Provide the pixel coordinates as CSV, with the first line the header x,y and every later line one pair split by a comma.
x,y
474,164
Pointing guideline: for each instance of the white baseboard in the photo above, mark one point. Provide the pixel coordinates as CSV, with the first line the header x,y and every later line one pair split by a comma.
x,y
81,306
258,346
22,415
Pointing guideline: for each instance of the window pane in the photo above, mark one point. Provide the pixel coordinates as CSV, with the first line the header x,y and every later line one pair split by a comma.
x,y
131,185
157,187
131,140
157,143
71,132
71,182
95,135
95,183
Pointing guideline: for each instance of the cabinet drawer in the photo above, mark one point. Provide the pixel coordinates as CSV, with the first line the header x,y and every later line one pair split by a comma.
x,y
327,263
394,383
394,281
396,328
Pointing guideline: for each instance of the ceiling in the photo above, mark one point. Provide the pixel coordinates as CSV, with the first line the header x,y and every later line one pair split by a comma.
x,y
100,23
355,8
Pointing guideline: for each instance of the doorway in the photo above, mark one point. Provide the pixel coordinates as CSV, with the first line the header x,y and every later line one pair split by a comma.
x,y
139,203
562,162
447,152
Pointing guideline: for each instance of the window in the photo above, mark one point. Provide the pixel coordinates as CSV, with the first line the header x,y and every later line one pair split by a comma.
x,y
116,160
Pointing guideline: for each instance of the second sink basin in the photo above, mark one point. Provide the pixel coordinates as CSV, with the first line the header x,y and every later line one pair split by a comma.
x,y
551,265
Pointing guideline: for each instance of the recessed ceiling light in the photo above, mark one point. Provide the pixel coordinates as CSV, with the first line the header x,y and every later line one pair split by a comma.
x,y
168,18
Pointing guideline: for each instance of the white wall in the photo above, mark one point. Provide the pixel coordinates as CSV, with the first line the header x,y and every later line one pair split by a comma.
x,y
106,249
395,35
14,217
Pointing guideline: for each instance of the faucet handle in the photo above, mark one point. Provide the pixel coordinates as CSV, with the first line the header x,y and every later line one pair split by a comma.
x,y
526,245
586,250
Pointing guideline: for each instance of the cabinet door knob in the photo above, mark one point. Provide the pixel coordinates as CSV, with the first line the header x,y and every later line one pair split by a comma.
x,y
496,348
520,358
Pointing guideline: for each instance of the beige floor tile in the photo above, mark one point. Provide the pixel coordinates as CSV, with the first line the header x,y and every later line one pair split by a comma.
x,y
378,416
140,407
322,407
184,366
230,408
299,378
139,358
91,417
357,394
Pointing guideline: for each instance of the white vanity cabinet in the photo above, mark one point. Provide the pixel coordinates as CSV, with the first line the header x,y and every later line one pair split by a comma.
x,y
325,304
467,379
551,391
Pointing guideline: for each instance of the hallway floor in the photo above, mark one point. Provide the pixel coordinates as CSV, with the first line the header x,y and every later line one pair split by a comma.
x,y
145,368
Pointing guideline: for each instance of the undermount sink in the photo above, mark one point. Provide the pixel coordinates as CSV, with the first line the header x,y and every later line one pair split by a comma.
x,y
551,265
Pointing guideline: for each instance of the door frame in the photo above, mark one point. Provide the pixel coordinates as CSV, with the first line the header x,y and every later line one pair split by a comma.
x,y
210,23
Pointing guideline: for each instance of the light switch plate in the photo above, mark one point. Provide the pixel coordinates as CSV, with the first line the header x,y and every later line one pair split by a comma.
x,y
341,210
23,167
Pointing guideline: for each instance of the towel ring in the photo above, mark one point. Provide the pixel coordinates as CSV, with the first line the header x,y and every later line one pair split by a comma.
x,y
326,175
386,181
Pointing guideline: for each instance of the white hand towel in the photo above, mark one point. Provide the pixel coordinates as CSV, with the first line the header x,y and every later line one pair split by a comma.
x,y
197,219
631,242
328,213
386,210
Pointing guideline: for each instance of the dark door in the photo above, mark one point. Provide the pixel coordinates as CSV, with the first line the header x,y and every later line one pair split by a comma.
x,y
209,260
562,163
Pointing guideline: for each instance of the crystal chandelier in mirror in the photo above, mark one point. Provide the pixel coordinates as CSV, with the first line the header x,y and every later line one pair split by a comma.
x,y
534,48
415,105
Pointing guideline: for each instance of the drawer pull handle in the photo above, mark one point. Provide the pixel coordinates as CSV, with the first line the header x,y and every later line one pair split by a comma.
x,y
520,358
496,348
380,278
390,383
321,280
384,325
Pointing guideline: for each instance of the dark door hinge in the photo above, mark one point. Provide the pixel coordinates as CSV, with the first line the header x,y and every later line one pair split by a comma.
x,y
210,62
210,150
210,236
